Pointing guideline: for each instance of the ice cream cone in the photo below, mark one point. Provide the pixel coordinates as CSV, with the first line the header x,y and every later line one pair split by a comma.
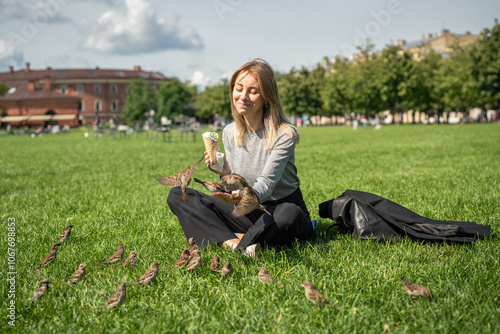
x,y
211,140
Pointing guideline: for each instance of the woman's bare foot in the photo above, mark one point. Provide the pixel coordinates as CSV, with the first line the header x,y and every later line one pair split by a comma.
x,y
231,243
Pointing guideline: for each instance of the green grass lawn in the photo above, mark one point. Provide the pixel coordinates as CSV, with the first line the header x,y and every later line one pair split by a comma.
x,y
107,189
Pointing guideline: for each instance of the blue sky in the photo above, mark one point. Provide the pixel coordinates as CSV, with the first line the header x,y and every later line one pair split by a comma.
x,y
204,41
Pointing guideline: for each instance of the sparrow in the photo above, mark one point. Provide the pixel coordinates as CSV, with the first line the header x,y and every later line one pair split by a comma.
x,y
183,259
214,264
213,186
119,297
78,275
131,259
248,203
44,286
416,290
50,257
194,261
265,276
118,256
182,179
226,270
314,295
65,235
149,275
234,181
192,245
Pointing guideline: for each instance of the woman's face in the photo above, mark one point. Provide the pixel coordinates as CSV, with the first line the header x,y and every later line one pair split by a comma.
x,y
247,96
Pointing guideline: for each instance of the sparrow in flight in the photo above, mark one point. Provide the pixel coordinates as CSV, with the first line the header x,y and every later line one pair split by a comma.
x,y
249,200
181,179
234,181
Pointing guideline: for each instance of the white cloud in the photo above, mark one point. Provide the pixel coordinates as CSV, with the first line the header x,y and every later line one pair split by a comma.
x,y
9,56
199,79
141,30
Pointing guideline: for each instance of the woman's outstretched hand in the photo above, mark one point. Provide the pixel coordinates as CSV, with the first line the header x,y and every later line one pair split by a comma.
x,y
232,198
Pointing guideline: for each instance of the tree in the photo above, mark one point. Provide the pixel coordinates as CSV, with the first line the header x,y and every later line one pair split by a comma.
x,y
214,100
141,98
455,83
173,96
299,91
421,87
364,80
3,89
395,69
316,81
337,93
487,67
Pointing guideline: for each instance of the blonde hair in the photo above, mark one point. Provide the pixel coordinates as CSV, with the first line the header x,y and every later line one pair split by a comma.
x,y
274,118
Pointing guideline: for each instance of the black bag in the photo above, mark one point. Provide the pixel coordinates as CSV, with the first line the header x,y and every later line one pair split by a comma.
x,y
368,216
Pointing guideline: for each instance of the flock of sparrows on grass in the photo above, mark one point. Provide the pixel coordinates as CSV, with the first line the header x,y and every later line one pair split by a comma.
x,y
191,258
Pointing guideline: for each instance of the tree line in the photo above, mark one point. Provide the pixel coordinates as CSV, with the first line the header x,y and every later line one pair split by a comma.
x,y
391,79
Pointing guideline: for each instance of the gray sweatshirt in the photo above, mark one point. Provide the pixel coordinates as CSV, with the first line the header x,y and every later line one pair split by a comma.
x,y
272,172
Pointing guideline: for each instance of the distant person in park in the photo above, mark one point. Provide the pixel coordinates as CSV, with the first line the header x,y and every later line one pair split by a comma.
x,y
39,131
260,146
305,120
217,122
95,125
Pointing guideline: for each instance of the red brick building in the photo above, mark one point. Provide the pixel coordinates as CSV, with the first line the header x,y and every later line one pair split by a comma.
x,y
67,96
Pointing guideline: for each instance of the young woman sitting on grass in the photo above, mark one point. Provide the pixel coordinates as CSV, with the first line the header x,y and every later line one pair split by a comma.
x,y
260,146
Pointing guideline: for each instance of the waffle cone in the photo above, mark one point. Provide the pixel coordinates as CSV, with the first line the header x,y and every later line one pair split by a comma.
x,y
212,146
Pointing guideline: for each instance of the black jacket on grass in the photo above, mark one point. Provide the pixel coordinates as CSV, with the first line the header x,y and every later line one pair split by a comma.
x,y
368,216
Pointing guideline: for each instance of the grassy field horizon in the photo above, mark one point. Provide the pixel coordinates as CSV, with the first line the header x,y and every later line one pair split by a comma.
x,y
107,189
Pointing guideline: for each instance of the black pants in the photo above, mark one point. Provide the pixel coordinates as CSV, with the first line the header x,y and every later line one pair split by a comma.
x,y
208,220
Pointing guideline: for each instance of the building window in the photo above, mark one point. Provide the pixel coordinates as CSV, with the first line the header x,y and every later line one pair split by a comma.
x,y
114,89
64,89
97,89
79,89
97,105
80,106
114,105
